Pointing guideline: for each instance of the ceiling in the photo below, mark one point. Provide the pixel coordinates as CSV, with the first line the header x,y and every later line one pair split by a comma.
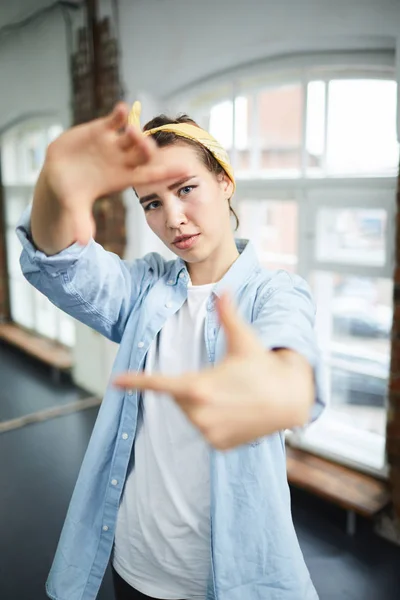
x,y
13,12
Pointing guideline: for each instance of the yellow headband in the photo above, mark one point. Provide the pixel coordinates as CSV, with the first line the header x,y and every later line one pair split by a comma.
x,y
192,132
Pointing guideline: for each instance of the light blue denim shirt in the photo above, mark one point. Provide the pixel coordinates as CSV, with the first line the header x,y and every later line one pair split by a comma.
x,y
255,554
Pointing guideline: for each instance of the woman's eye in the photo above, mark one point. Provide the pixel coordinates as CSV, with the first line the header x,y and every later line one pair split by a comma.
x,y
186,190
151,205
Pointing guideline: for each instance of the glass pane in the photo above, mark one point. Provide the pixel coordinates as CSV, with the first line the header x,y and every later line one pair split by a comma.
x,y
53,132
13,253
351,235
21,302
66,329
9,160
32,150
221,123
354,320
23,151
222,120
15,204
271,225
280,128
362,127
46,316
315,130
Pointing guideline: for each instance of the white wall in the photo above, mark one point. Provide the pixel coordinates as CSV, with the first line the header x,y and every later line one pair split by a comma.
x,y
168,44
34,69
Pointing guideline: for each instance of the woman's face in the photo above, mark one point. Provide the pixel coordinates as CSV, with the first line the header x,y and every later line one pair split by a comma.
x,y
191,216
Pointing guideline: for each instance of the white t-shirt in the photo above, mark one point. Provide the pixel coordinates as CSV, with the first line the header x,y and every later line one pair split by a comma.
x,y
162,540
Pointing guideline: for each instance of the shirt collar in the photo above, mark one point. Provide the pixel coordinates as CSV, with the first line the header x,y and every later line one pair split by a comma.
x,y
241,270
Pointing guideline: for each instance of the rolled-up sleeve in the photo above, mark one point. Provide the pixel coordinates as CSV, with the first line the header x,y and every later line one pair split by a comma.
x,y
89,283
285,318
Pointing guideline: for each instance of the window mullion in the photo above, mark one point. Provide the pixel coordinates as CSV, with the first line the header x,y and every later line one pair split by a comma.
x,y
325,150
234,157
304,161
255,149
305,238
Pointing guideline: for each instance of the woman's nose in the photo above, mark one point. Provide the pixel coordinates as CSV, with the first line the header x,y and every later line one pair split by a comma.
x,y
174,217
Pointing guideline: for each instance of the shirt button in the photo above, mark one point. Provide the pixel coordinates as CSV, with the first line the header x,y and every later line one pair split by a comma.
x,y
125,436
168,305
171,281
182,275
130,392
114,481
140,344
105,527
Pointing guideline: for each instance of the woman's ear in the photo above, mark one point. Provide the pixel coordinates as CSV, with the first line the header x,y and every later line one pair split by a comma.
x,y
226,185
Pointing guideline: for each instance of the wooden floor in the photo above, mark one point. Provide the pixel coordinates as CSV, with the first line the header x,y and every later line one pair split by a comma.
x,y
39,465
47,351
363,494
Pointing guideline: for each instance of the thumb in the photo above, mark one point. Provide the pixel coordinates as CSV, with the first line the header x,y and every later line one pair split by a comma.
x,y
241,339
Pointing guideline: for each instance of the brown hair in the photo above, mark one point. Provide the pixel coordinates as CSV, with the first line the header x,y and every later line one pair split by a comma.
x,y
166,138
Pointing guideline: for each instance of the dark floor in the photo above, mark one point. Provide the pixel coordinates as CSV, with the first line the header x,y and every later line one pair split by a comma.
x,y
39,464
27,385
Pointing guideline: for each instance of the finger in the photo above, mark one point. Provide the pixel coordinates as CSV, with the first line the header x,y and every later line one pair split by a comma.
x,y
240,336
150,174
138,150
156,383
132,136
118,117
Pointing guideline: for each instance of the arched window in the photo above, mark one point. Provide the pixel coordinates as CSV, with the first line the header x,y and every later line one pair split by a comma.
x,y
23,150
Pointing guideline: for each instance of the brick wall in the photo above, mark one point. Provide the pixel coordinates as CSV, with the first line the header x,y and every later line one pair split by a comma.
x,y
110,215
96,89
393,425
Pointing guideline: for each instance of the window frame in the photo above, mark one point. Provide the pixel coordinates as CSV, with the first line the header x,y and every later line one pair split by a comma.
x,y
290,190
22,183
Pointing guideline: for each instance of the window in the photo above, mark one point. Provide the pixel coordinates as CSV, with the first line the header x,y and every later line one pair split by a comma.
x,y
335,127
23,151
349,269
272,226
316,159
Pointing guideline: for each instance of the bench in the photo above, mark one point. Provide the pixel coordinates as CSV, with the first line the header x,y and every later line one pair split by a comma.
x,y
356,493
47,351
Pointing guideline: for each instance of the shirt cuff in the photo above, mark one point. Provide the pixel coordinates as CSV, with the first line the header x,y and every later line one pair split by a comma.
x,y
32,255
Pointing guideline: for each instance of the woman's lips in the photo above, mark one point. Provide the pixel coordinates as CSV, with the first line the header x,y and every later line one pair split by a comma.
x,y
187,242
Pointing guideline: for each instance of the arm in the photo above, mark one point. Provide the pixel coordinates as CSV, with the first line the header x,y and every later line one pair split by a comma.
x,y
284,323
92,285
291,388
60,257
52,225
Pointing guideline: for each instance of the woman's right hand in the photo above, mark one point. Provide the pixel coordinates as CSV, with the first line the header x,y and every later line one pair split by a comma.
x,y
95,159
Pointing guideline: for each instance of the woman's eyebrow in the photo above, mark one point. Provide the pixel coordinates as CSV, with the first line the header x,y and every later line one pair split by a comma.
x,y
175,185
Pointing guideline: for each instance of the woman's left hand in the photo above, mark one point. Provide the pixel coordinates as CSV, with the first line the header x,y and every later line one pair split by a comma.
x,y
251,393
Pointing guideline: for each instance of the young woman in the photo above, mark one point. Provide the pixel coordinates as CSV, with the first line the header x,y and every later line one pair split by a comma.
x,y
184,480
